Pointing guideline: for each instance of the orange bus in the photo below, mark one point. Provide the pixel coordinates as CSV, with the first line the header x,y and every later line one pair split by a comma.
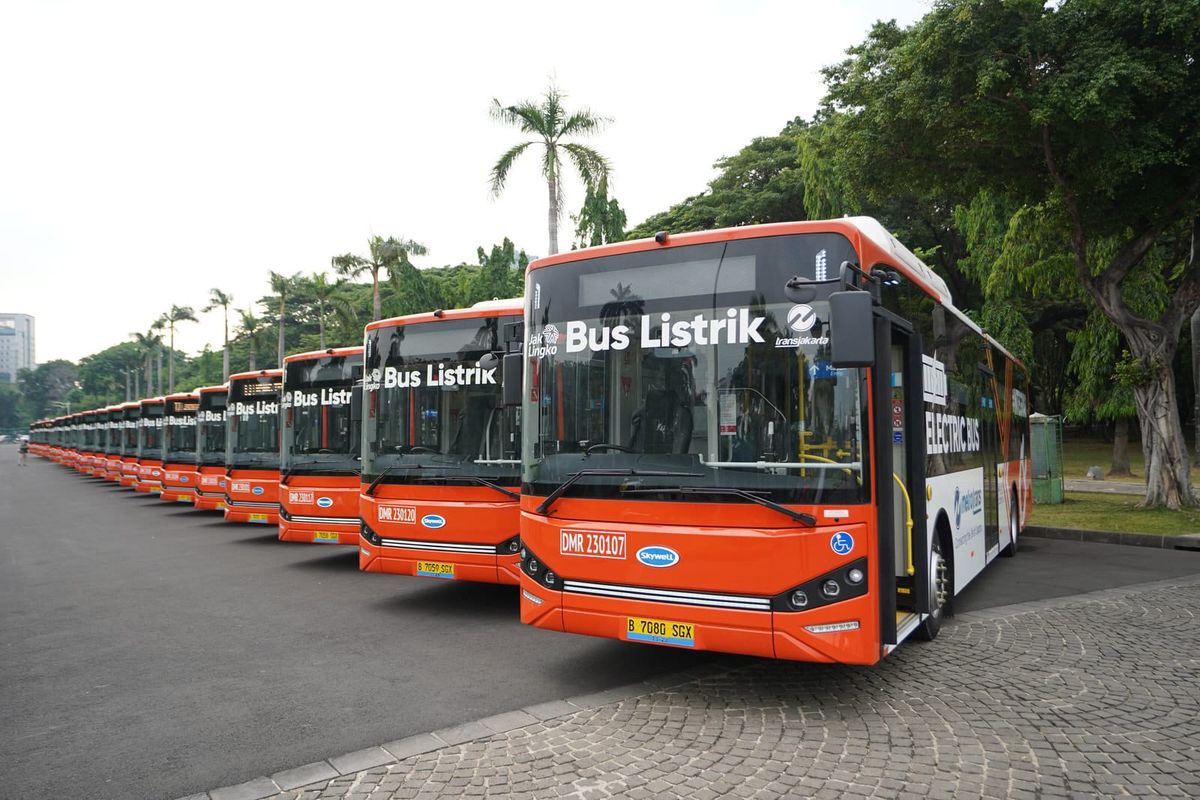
x,y
85,453
210,448
112,443
252,447
149,445
440,458
180,475
322,435
779,440
130,414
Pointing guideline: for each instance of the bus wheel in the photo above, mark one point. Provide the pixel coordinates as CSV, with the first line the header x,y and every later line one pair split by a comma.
x,y
939,591
1014,526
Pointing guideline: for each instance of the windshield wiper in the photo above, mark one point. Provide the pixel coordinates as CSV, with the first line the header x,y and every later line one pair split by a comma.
x,y
388,470
608,473
798,516
474,479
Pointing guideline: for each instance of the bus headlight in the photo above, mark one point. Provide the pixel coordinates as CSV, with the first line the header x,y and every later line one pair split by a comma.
x,y
799,599
855,576
831,588
835,586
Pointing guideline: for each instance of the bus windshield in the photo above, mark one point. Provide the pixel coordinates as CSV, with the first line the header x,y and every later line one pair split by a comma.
x,y
693,361
129,428
149,444
431,413
252,412
321,432
210,429
179,431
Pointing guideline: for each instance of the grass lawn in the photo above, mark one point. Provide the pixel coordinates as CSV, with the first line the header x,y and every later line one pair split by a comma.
x,y
1079,454
1111,512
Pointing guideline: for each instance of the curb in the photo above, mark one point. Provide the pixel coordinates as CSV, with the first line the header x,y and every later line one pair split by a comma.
x,y
396,751
1187,541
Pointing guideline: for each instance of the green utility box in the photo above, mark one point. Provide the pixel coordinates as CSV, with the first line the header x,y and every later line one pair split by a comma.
x,y
1047,458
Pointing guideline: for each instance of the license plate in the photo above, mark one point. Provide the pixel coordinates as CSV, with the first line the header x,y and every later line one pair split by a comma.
x,y
219,506
183,498
325,536
435,569
258,517
660,631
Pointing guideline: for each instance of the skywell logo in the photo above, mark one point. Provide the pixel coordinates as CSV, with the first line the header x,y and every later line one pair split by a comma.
x,y
658,556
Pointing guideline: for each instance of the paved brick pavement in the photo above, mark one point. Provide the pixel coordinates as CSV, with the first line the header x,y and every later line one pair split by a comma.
x,y
1095,695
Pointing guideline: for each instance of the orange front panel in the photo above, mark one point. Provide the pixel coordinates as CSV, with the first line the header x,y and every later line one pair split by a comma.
x,y
210,494
179,483
440,532
716,580
252,495
129,471
319,509
149,475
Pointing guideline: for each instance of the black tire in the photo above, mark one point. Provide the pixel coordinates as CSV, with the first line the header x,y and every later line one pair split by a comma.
x,y
1014,526
941,585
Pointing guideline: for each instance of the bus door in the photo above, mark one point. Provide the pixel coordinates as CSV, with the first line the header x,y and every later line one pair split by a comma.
x,y
989,445
899,414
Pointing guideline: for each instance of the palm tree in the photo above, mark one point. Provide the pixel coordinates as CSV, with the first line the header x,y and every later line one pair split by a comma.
x,y
252,329
327,297
550,123
282,287
158,326
217,298
386,254
147,344
176,315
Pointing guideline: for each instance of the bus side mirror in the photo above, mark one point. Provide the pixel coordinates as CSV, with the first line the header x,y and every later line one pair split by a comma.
x,y
851,334
356,403
511,378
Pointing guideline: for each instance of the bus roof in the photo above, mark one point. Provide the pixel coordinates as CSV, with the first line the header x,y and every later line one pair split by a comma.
x,y
207,389
484,308
329,351
152,401
262,373
182,396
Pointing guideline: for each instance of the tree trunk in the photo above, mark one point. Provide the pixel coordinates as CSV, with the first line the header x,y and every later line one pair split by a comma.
x,y
1196,380
171,364
127,389
321,328
149,373
552,216
281,332
1168,471
376,304
1120,455
159,383
137,386
225,359
253,356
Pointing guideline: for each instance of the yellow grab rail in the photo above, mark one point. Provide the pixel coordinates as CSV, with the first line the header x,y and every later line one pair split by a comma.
x,y
908,523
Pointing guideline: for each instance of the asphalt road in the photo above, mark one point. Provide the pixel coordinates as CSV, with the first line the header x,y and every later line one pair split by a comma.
x,y
148,650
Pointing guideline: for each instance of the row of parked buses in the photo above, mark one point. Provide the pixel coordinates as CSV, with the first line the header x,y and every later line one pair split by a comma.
x,y
779,440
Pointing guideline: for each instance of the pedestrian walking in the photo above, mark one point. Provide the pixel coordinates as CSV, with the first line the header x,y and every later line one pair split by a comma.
x,y
24,450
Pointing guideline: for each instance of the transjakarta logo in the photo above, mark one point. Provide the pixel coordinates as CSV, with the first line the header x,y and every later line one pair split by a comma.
x,y
737,327
326,397
801,318
969,503
405,515
434,375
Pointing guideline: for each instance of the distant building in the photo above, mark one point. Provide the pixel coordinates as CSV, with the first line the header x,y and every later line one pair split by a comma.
x,y
16,346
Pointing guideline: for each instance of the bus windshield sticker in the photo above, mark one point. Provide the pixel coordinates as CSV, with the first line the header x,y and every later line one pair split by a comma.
x,y
595,544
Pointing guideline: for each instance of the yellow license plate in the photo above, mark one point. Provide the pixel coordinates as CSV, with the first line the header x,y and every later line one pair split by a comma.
x,y
435,569
220,506
155,490
258,517
660,631
325,536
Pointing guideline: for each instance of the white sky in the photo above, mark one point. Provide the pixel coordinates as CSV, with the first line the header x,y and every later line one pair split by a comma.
x,y
152,150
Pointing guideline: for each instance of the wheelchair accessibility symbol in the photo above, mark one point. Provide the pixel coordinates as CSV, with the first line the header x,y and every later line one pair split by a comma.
x,y
842,543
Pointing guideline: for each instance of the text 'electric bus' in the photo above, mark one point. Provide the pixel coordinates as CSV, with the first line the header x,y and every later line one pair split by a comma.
x,y
179,474
210,448
149,447
778,440
252,447
318,487
441,453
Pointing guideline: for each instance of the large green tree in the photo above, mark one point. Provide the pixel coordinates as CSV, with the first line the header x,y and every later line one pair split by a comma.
x,y
172,318
389,254
601,220
1086,111
222,300
551,124
324,300
761,183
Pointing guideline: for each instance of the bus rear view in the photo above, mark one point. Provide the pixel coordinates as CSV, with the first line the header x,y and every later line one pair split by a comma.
x,y
252,447
441,453
210,448
724,443
318,487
